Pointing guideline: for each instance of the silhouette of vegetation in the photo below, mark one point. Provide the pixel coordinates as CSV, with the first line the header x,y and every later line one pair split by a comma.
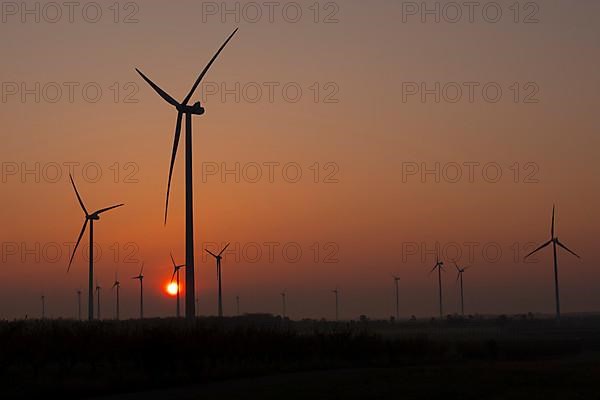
x,y
68,358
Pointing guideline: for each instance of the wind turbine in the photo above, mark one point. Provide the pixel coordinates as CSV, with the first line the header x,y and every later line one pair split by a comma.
x,y
555,242
237,303
218,257
117,286
196,109
43,298
283,304
459,277
336,292
440,266
176,269
79,304
396,279
91,218
98,288
141,278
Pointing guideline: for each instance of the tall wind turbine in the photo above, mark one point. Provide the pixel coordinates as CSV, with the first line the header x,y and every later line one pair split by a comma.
x,y
176,269
439,265
459,277
91,218
98,289
336,292
196,109
555,242
79,304
283,303
141,279
116,286
218,257
396,279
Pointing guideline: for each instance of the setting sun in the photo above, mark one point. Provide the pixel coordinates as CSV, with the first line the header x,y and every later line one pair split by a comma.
x,y
172,288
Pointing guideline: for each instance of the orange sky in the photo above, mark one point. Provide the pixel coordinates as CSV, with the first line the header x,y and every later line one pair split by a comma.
x,y
365,217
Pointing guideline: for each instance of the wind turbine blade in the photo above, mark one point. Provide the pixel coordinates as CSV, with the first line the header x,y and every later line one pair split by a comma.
x,y
211,253
173,276
566,248
107,209
433,269
173,260
172,164
212,60
457,276
142,270
77,244
552,229
539,248
78,196
224,248
158,90
456,266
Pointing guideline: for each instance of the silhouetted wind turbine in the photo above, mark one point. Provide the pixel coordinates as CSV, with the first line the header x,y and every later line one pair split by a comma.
x,y
555,242
117,286
283,304
396,279
98,288
198,302
336,292
43,298
141,279
459,277
79,304
218,257
237,303
91,218
196,109
176,269
440,266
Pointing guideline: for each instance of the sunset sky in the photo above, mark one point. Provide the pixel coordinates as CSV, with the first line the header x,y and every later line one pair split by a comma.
x,y
360,211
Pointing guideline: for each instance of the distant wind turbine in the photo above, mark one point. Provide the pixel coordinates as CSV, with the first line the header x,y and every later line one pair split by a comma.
x,y
98,289
196,109
79,304
555,242
91,218
237,303
396,279
141,279
116,286
43,298
218,257
176,269
283,303
459,277
336,292
439,265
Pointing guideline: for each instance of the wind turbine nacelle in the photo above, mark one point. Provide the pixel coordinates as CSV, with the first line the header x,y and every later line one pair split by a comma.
x,y
94,217
198,109
195,109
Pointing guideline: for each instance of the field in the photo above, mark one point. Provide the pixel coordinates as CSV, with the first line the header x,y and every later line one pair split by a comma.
x,y
491,358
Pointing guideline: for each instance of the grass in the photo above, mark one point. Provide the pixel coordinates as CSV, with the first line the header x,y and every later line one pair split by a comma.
x,y
69,358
